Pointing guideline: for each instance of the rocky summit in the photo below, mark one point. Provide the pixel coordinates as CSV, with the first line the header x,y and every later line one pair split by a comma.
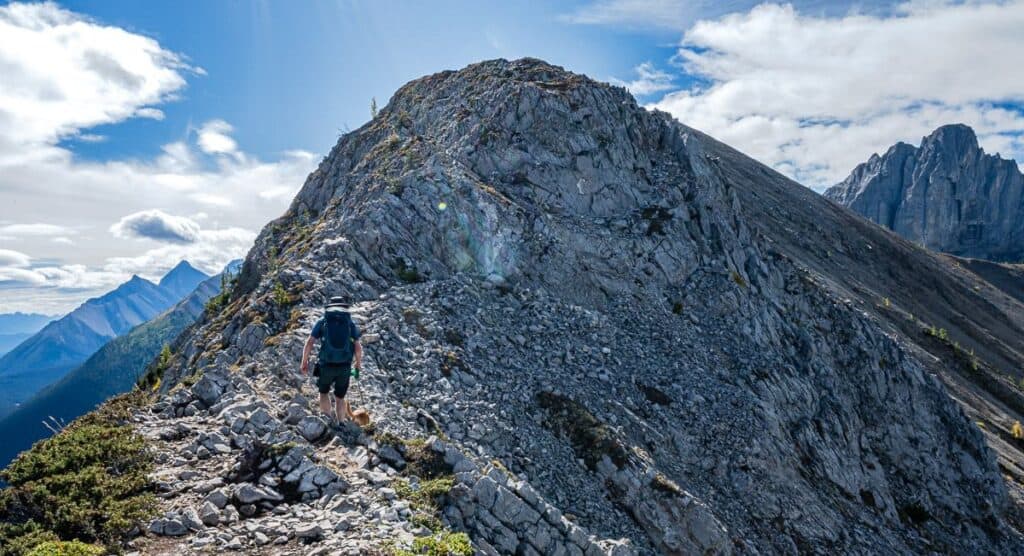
x,y
586,333
946,194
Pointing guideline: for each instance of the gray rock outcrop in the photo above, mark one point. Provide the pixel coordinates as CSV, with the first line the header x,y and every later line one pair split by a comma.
x,y
947,195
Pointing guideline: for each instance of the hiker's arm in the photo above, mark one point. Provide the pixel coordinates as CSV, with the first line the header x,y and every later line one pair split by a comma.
x,y
305,355
359,355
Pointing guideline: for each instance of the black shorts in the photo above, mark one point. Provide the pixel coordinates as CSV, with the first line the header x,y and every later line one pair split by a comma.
x,y
337,375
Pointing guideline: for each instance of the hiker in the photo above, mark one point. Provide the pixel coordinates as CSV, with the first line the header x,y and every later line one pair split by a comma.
x,y
340,351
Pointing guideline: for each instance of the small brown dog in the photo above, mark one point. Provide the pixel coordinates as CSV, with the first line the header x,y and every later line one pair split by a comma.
x,y
361,417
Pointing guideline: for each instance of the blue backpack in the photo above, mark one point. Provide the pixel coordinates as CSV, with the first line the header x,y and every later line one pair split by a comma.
x,y
336,345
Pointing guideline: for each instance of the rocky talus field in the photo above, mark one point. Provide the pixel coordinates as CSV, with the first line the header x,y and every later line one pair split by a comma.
x,y
589,329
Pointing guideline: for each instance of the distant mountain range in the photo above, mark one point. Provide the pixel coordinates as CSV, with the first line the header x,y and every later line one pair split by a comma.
x,y
112,370
947,195
18,327
63,344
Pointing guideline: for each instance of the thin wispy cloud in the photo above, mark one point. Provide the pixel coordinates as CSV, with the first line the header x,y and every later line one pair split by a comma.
x,y
665,14
649,80
34,229
12,258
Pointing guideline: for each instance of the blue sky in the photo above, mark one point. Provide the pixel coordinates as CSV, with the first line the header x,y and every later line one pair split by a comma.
x,y
293,75
135,134
307,70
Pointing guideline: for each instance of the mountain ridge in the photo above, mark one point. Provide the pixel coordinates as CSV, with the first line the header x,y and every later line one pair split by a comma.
x,y
592,310
113,369
68,341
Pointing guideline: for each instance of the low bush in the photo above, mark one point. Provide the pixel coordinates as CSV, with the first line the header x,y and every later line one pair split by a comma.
x,y
87,483
66,548
443,543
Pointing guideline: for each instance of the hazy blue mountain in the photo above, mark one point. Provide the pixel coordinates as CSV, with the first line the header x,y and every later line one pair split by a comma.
x,y
182,279
15,328
113,369
13,323
67,342
9,341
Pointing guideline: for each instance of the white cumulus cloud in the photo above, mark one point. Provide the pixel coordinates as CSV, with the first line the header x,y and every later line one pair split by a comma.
x,y
211,251
61,75
813,95
215,138
157,225
62,72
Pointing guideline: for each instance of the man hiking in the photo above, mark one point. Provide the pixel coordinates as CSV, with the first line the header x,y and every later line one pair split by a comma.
x,y
340,351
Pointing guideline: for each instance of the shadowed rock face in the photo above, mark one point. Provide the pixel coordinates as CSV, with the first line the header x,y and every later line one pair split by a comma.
x,y
946,194
594,306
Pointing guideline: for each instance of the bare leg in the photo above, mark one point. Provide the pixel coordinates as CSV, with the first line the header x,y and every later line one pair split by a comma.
x,y
326,406
343,411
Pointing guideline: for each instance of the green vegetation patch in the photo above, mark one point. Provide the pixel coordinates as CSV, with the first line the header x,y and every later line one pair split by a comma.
x,y
420,459
66,548
443,543
281,295
406,272
451,362
426,497
88,483
590,438
150,380
662,483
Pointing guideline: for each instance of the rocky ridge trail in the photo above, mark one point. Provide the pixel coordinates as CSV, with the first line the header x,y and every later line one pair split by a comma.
x,y
569,312
247,465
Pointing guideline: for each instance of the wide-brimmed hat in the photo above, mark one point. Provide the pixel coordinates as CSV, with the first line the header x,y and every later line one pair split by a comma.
x,y
338,301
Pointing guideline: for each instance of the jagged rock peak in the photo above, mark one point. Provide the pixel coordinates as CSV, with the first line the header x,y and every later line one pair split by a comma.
x,y
961,137
946,194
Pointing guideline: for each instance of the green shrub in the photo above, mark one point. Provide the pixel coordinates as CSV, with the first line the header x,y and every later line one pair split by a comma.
x,y
66,548
155,372
18,539
407,273
281,295
89,483
444,543
218,302
427,495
